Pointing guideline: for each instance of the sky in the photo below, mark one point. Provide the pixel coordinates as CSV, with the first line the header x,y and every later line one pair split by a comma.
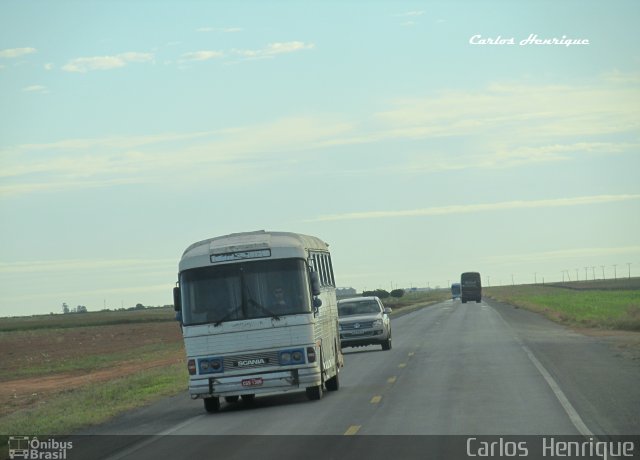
x,y
419,139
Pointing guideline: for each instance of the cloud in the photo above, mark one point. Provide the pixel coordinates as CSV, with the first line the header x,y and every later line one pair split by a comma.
x,y
273,49
225,30
532,110
507,126
90,163
35,89
619,77
472,208
201,55
411,14
72,265
16,52
87,64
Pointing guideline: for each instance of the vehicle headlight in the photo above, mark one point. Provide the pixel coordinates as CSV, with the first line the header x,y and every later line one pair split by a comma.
x,y
285,357
377,323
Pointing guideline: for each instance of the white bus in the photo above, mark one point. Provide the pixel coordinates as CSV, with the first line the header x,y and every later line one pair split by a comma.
x,y
259,315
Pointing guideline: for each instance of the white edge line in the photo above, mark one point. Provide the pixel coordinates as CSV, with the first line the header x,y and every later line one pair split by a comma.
x,y
562,398
153,438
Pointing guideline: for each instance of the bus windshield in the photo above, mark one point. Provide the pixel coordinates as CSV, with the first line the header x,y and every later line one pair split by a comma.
x,y
243,291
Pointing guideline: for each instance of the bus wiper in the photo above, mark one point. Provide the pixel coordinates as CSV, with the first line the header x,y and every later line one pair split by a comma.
x,y
223,319
226,317
264,309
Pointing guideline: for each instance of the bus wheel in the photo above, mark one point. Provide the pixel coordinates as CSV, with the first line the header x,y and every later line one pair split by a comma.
x,y
333,384
314,393
248,398
231,399
212,404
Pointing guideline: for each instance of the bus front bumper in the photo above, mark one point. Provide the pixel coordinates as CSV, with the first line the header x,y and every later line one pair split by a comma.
x,y
256,383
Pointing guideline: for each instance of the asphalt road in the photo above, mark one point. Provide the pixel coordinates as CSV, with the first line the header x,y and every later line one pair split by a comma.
x,y
454,369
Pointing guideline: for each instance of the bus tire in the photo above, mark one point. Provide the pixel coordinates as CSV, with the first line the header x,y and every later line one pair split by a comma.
x,y
333,384
232,399
314,393
212,404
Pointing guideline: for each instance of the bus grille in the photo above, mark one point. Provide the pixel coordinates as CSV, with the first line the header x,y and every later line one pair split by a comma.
x,y
251,361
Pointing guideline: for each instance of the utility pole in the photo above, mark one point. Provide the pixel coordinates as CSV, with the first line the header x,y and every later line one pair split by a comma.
x,y
586,274
568,275
563,276
629,266
615,274
602,271
577,275
593,270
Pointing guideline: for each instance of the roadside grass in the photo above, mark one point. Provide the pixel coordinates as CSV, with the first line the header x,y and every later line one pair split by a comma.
x,y
91,363
605,309
95,404
417,297
99,318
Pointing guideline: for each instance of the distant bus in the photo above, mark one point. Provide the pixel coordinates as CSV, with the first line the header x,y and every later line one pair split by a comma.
x,y
471,287
455,291
259,315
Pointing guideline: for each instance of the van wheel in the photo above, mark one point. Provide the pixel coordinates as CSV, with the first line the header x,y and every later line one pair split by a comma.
x,y
314,393
212,404
333,384
387,344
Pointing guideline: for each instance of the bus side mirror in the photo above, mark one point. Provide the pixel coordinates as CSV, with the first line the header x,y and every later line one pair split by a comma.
x,y
177,301
315,283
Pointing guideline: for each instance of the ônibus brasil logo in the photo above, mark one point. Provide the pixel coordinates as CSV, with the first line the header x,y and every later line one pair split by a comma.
x,y
32,448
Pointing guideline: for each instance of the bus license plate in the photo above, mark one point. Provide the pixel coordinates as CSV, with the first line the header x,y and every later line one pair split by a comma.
x,y
252,382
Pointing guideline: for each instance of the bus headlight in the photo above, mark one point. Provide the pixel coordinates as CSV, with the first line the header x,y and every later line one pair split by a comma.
x,y
210,365
290,357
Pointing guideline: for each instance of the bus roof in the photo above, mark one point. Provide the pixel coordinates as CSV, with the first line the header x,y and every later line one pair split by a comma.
x,y
284,243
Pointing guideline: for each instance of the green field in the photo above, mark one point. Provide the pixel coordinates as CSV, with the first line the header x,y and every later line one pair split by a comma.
x,y
100,318
603,304
416,298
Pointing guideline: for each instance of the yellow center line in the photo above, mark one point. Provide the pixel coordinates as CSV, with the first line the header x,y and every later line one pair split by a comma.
x,y
402,365
411,353
392,379
353,429
376,399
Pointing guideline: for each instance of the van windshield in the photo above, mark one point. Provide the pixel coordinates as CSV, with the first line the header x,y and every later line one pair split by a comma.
x,y
358,308
243,291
